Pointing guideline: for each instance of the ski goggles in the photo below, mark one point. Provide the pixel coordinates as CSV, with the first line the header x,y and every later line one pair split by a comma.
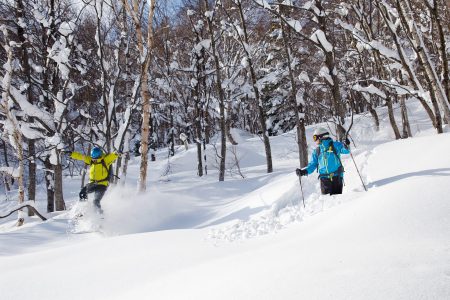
x,y
317,137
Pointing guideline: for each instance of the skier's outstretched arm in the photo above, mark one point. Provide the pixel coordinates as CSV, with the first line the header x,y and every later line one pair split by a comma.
x,y
111,157
82,157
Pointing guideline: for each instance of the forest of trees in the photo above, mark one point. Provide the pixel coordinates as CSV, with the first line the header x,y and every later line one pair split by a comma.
x,y
112,73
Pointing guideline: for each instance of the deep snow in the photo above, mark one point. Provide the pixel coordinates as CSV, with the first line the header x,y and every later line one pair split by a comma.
x,y
251,238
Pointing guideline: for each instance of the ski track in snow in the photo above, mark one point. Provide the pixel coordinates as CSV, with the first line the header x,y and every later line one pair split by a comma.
x,y
185,230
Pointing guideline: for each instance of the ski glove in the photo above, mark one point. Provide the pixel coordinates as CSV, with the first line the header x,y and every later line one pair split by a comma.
x,y
347,142
83,196
301,172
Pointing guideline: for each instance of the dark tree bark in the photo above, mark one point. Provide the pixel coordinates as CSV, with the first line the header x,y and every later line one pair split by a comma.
x,y
439,12
436,91
374,115
330,63
59,196
298,108
406,128
172,130
5,157
20,14
218,77
392,117
261,112
31,174
29,207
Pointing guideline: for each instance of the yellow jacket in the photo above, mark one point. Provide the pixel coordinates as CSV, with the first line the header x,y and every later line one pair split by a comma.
x,y
97,172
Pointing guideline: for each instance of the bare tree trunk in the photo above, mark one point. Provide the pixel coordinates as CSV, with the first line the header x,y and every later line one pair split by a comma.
x,y
300,122
50,185
19,142
406,128
437,122
20,14
407,66
145,47
376,120
197,124
59,197
145,130
31,174
330,63
172,129
228,125
5,157
117,170
392,118
104,96
14,128
223,128
85,167
196,95
203,116
199,158
261,112
125,167
438,13
229,115
153,143
423,56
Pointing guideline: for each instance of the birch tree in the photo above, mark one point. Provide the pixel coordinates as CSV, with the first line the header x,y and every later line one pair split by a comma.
x,y
145,45
11,124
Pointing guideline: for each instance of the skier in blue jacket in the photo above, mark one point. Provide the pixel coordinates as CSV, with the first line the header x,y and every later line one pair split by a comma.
x,y
326,160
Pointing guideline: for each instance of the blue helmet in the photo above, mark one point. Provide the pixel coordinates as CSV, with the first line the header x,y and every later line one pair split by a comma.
x,y
96,152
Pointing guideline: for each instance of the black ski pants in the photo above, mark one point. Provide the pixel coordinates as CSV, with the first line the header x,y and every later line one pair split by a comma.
x,y
331,185
98,190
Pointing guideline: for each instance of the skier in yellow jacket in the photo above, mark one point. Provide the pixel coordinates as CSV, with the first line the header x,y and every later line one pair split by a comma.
x,y
98,173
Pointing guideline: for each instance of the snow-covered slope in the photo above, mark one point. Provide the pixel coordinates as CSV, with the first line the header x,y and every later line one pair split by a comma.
x,y
251,238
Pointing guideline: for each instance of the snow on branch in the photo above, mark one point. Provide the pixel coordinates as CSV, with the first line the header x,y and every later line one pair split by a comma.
x,y
319,38
29,132
263,3
32,110
371,89
386,52
60,54
295,25
325,73
204,44
404,89
66,28
374,44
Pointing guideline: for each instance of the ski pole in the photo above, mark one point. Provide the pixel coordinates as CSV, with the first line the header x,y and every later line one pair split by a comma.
x,y
301,189
351,155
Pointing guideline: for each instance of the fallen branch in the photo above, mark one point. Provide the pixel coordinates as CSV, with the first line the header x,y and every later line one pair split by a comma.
x,y
29,207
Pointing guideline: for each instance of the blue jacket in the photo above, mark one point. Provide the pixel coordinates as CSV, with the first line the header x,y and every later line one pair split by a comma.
x,y
327,162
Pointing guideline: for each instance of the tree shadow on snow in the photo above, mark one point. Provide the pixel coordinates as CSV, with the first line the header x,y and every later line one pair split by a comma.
x,y
431,172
